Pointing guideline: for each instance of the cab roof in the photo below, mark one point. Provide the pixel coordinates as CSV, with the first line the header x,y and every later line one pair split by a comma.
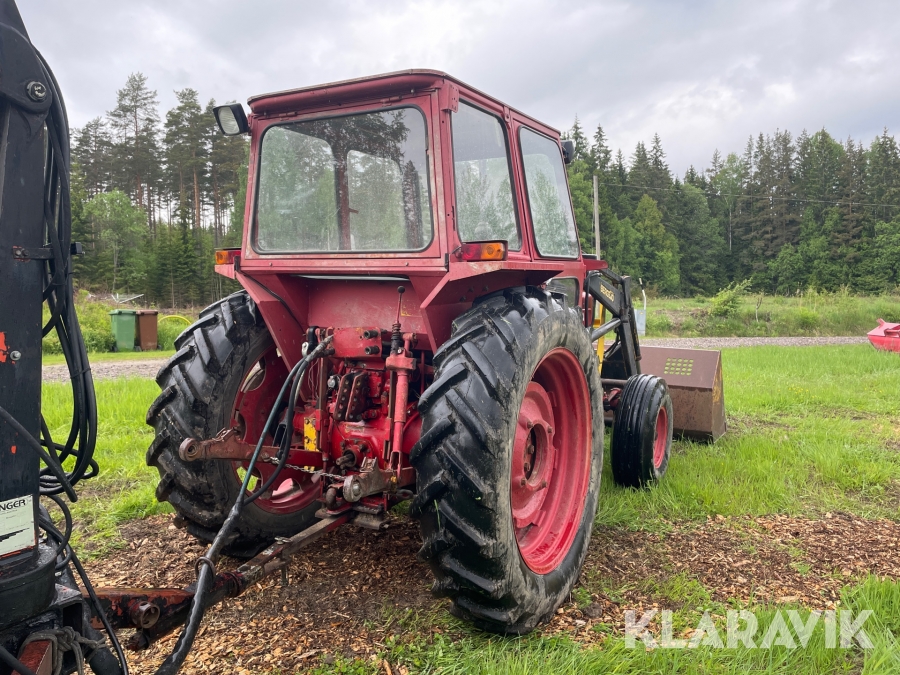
x,y
364,88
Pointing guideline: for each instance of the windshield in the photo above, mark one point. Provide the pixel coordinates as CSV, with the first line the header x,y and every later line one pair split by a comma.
x,y
352,183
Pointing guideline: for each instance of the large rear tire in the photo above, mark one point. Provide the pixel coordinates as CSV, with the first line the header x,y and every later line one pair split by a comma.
x,y
509,460
226,359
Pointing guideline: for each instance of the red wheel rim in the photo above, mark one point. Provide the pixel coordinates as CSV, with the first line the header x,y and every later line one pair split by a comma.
x,y
551,461
293,490
661,437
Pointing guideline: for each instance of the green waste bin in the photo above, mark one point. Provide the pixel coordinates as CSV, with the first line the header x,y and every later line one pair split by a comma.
x,y
123,327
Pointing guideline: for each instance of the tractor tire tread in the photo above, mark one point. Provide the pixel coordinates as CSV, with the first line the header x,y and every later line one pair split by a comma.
x,y
196,385
631,446
465,527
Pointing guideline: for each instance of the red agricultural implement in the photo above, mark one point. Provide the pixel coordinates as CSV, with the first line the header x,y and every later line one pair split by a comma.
x,y
417,322
886,336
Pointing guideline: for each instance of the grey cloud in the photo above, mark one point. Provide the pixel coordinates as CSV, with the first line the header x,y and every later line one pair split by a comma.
x,y
705,75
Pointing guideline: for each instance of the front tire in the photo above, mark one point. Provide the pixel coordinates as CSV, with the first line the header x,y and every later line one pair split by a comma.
x,y
642,432
509,461
226,364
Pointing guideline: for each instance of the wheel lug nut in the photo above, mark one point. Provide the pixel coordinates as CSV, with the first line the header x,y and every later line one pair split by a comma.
x,y
549,430
522,482
529,424
527,466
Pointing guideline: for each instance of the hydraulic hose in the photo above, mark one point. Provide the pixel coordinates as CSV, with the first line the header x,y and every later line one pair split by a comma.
x,y
285,446
206,571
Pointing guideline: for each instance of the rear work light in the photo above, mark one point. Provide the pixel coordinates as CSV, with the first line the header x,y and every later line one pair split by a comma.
x,y
227,256
482,250
232,119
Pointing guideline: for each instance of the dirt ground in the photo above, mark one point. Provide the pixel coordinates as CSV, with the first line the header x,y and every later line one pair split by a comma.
x,y
337,602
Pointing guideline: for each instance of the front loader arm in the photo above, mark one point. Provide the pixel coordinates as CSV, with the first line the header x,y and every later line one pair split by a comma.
x,y
613,292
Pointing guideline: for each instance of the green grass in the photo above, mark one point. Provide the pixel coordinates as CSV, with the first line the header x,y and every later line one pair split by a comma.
x,y
809,432
777,316
811,429
125,486
457,649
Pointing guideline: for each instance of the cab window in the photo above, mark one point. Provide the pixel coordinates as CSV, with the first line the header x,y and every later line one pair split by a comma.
x,y
548,196
484,197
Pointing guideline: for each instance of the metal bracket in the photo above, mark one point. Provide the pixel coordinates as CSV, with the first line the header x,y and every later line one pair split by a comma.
x,y
24,254
614,293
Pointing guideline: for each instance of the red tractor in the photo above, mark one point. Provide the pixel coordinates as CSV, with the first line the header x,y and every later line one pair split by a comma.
x,y
417,323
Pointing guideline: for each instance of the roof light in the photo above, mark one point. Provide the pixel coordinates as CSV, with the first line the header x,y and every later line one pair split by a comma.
x,y
227,256
482,250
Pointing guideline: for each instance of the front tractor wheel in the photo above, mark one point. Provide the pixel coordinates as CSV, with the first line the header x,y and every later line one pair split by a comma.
x,y
225,374
642,432
509,461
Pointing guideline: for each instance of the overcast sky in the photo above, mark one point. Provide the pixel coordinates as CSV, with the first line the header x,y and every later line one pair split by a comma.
x,y
704,75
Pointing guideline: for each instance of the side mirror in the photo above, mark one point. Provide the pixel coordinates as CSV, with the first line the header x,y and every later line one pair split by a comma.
x,y
568,151
231,119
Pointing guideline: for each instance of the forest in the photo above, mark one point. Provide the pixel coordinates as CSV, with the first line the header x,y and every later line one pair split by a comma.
x,y
783,216
152,197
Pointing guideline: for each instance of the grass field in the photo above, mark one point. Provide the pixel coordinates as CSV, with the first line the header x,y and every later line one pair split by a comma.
x,y
812,430
776,316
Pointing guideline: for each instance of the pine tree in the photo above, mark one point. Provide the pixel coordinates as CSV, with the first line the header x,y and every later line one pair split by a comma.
x,y
187,139
134,122
576,134
92,150
660,177
600,155
701,246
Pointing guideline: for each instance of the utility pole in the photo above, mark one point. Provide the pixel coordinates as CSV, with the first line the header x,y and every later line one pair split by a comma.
x,y
597,215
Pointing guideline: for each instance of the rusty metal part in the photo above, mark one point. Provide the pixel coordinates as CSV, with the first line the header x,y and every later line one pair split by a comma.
x,y
228,445
371,521
694,377
331,496
144,614
367,483
277,556
38,656
352,397
156,612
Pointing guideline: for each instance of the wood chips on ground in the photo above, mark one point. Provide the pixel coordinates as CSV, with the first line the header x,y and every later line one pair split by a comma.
x,y
342,592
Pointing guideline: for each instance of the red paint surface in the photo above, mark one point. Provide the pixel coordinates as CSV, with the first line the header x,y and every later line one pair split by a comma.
x,y
345,293
3,350
886,337
661,437
551,461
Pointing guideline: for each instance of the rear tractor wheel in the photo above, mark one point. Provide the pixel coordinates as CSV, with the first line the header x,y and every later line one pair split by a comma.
x,y
225,374
509,461
642,432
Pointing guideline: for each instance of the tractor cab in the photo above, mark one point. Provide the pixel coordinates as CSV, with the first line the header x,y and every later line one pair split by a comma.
x,y
412,175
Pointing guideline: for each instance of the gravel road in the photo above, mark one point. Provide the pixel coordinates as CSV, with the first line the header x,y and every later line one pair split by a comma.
x,y
104,370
